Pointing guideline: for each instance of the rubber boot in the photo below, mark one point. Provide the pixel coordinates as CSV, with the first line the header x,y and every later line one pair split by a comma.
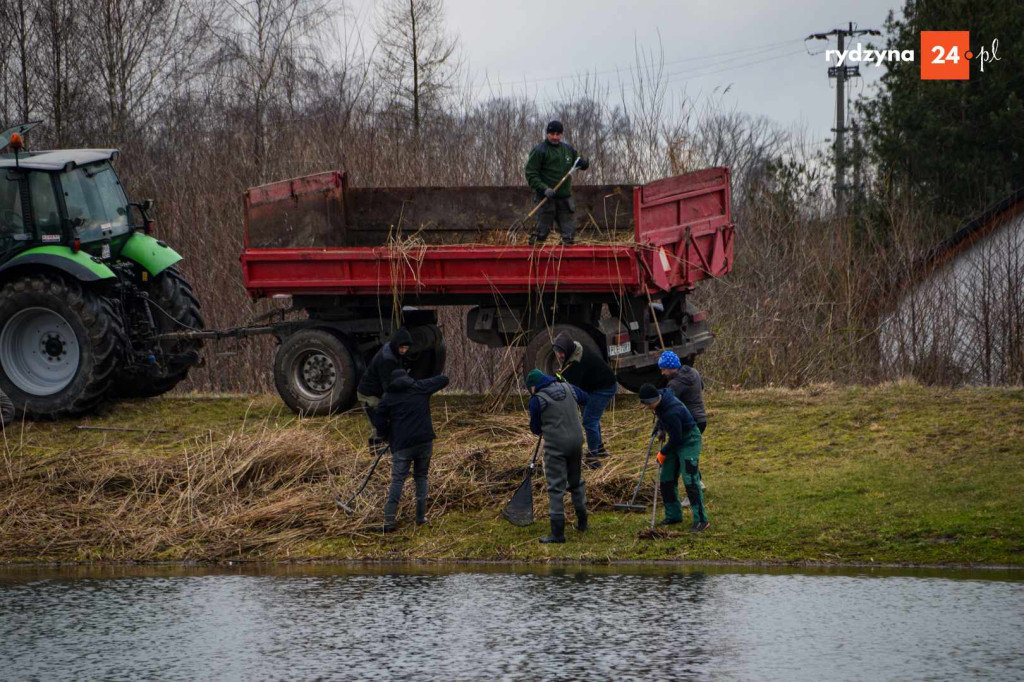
x,y
696,506
568,241
673,511
536,240
557,532
581,520
421,512
390,511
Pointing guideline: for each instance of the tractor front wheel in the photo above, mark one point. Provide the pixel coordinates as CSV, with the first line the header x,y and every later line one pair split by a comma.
x,y
59,346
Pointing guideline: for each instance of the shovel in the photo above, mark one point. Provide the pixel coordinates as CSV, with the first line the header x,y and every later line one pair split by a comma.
x,y
347,506
515,227
519,510
633,506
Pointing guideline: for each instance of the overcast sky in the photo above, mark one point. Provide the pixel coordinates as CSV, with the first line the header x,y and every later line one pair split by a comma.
x,y
529,44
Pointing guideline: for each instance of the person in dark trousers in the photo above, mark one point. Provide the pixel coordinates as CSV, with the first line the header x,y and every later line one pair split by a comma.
x,y
591,373
555,416
547,164
402,418
687,385
377,375
680,455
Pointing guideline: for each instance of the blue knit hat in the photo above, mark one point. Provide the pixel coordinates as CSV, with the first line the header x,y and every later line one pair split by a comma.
x,y
669,360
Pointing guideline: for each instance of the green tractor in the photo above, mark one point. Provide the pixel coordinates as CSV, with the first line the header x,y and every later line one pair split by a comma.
x,y
85,291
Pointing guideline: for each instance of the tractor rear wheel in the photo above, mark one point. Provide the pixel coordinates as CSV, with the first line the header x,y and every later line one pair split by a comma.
x,y
175,309
314,373
59,346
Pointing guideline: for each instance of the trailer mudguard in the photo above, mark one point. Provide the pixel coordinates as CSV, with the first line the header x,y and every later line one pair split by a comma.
x,y
79,265
153,255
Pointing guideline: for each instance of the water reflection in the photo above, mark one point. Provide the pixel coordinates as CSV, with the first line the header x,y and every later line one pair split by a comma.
x,y
344,622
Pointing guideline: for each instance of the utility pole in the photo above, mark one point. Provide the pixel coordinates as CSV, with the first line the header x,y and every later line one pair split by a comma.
x,y
858,160
841,74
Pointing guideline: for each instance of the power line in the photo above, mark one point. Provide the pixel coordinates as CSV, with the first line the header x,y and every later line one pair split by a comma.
x,y
748,51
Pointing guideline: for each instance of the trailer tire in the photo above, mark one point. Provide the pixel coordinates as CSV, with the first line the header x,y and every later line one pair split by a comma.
x,y
60,345
540,355
176,309
633,378
315,373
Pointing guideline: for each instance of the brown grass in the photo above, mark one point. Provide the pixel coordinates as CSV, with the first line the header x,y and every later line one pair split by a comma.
x,y
257,490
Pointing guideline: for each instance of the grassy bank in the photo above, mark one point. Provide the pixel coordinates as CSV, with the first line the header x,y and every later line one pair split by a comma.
x,y
892,474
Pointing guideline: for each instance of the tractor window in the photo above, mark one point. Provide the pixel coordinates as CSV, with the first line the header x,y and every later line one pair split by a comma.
x,y
44,205
12,221
94,196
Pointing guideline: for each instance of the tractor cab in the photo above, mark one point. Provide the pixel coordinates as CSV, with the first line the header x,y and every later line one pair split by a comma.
x,y
70,197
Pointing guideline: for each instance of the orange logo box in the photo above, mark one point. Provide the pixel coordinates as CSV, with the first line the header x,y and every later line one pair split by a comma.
x,y
946,55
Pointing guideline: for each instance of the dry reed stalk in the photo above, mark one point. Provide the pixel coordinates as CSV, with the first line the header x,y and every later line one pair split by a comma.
x,y
260,491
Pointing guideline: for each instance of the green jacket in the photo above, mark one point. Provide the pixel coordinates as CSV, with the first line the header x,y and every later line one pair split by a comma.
x,y
547,164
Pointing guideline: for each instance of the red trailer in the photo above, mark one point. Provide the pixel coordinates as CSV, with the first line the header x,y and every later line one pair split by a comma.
x,y
359,261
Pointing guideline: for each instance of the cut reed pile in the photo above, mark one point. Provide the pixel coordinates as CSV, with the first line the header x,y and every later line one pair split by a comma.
x,y
259,490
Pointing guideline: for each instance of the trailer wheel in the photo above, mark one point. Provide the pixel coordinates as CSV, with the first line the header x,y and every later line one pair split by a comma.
x,y
314,373
540,355
59,346
633,378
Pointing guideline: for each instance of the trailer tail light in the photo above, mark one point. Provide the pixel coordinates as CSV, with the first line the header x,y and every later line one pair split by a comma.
x,y
76,245
620,345
701,316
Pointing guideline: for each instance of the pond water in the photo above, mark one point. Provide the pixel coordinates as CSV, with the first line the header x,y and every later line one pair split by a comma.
x,y
459,623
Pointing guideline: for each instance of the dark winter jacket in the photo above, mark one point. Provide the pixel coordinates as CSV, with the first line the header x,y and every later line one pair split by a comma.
x,y
554,414
687,385
403,416
675,420
376,377
547,164
588,370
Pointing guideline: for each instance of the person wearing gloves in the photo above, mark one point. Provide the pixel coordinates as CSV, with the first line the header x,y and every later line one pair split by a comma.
x,y
554,415
591,373
547,164
681,454
687,385
377,375
402,418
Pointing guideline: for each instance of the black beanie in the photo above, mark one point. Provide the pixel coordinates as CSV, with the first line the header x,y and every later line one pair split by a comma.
x,y
564,343
649,394
397,378
401,338
555,127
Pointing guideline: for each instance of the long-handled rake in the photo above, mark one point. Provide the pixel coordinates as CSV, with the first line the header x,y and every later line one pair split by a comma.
x,y
517,225
633,506
347,506
519,510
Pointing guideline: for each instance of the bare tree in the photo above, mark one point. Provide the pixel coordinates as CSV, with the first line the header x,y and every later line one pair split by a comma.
x,y
63,67
416,58
148,48
16,45
262,38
